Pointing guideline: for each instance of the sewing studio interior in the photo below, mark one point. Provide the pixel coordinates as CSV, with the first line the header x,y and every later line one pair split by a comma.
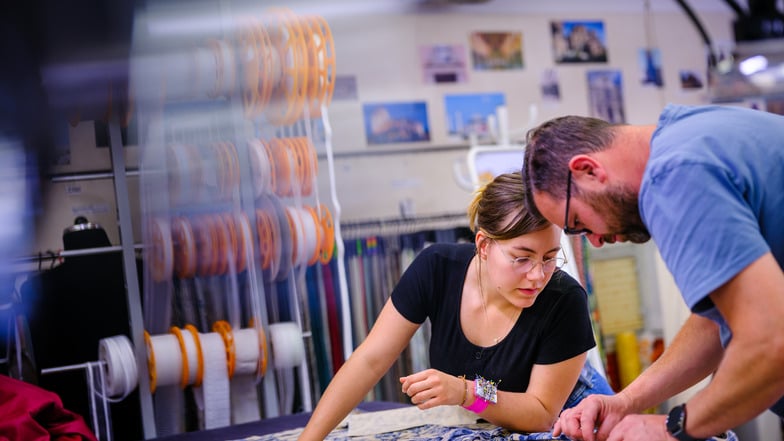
x,y
282,220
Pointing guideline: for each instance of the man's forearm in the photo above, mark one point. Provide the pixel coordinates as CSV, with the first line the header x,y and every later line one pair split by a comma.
x,y
694,354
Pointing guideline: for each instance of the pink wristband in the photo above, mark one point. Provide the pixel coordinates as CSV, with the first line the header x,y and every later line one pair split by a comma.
x,y
478,406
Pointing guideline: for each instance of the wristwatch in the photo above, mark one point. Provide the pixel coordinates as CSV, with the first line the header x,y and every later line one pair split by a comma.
x,y
676,424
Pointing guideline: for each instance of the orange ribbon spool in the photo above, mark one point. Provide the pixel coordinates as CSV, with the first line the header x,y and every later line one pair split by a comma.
x,y
258,65
321,63
185,258
205,244
199,355
328,237
295,240
282,164
288,97
232,244
161,259
319,240
151,368
223,240
244,240
262,368
184,353
273,179
299,161
266,238
223,328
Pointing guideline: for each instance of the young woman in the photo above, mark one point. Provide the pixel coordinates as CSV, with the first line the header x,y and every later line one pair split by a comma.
x,y
502,315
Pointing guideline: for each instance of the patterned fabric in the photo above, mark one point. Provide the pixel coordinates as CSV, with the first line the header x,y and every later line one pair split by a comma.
x,y
475,432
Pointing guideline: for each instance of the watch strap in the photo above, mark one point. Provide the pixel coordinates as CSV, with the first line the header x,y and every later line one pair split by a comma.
x,y
676,424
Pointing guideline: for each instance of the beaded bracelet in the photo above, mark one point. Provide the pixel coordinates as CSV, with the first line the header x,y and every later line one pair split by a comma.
x,y
465,389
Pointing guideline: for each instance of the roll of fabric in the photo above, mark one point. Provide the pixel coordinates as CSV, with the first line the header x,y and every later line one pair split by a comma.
x,y
628,357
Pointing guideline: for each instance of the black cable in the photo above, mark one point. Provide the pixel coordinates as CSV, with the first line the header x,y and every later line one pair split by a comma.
x,y
701,30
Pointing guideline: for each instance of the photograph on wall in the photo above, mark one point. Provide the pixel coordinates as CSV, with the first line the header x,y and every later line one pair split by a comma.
x,y
345,88
551,89
690,79
605,97
443,63
579,41
497,50
467,114
388,123
649,60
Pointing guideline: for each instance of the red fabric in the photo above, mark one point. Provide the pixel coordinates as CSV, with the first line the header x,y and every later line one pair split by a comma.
x,y
29,413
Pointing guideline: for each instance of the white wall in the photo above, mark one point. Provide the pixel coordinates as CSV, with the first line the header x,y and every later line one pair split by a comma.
x,y
381,51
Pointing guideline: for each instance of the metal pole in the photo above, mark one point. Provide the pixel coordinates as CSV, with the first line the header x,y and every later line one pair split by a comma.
x,y
131,280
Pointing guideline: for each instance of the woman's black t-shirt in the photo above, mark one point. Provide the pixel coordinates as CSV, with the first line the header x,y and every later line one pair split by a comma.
x,y
555,328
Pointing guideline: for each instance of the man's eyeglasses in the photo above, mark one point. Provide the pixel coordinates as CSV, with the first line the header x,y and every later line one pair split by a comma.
x,y
524,265
567,229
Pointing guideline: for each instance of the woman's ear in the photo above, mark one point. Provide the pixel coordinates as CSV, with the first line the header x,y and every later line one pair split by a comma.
x,y
481,242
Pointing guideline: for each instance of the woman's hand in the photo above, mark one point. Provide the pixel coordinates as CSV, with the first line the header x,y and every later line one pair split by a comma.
x,y
431,388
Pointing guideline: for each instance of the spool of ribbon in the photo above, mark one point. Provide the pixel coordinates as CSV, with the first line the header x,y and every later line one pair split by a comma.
x,y
288,346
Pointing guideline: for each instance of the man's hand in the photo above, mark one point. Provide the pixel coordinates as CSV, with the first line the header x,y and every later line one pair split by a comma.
x,y
593,418
641,428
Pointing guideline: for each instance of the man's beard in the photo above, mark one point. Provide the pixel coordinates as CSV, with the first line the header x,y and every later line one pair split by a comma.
x,y
619,208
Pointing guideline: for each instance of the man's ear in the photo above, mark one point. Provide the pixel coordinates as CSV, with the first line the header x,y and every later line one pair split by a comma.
x,y
587,167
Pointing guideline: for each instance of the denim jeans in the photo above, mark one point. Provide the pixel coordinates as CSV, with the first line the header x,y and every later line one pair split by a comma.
x,y
590,382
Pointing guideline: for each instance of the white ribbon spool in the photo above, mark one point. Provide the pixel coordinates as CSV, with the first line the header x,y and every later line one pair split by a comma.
x,y
212,397
244,397
246,349
288,347
311,233
301,255
121,375
168,360
260,166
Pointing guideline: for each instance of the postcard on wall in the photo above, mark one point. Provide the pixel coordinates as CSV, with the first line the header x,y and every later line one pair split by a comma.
x,y
579,41
467,114
345,88
649,60
443,63
387,123
497,50
605,95
551,89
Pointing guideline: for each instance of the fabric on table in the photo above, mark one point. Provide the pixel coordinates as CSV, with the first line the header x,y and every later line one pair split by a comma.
x,y
432,432
369,423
